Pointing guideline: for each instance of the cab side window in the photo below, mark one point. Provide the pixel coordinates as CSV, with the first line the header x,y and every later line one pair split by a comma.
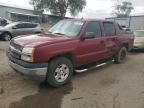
x,y
109,29
21,26
94,27
30,25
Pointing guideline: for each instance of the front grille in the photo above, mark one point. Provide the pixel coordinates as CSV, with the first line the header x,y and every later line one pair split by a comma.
x,y
16,46
15,50
15,55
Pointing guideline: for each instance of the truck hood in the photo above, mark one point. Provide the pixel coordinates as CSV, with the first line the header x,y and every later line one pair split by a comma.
x,y
38,40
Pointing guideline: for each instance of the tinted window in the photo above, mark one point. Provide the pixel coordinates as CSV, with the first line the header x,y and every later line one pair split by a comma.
x,y
29,25
94,27
109,29
22,25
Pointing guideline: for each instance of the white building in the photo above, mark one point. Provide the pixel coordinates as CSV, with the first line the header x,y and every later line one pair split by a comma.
x,y
133,22
15,13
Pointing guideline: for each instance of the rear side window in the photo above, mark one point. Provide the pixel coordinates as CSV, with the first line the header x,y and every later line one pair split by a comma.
x,y
29,25
21,25
109,29
95,28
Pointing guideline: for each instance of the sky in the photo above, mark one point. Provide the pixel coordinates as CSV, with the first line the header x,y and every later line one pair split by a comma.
x,y
93,9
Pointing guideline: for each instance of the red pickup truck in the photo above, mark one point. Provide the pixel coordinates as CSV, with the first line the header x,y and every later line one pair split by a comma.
x,y
52,56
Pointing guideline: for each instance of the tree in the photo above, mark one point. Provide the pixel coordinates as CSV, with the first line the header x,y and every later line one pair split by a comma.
x,y
59,7
123,10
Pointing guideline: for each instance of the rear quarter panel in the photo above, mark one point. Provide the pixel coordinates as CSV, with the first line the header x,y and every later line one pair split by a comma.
x,y
127,38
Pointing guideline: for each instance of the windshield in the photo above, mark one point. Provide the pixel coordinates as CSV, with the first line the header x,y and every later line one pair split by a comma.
x,y
139,33
68,28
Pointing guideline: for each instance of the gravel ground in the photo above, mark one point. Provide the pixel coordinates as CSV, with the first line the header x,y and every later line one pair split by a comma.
x,y
3,45
109,86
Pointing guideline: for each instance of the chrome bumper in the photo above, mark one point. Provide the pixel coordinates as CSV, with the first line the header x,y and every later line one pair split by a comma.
x,y
138,46
35,73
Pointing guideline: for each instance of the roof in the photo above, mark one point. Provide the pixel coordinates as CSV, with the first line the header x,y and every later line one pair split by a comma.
x,y
15,6
24,14
19,22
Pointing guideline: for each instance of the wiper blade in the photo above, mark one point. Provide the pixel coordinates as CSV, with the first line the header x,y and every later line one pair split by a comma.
x,y
59,33
49,31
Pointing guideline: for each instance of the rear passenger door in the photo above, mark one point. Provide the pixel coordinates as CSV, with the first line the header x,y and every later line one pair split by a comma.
x,y
20,29
111,38
31,28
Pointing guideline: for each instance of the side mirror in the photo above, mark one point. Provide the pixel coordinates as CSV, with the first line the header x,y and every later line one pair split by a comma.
x,y
14,27
89,35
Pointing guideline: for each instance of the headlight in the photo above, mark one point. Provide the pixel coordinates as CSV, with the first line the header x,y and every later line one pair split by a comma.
x,y
27,54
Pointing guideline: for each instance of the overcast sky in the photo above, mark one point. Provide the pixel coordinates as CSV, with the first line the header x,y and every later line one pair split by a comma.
x,y
94,8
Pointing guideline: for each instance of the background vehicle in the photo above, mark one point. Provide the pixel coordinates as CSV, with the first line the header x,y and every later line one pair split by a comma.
x,y
139,39
69,44
18,28
4,22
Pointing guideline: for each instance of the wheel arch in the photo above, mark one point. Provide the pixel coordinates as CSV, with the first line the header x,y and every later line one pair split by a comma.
x,y
66,55
8,33
126,45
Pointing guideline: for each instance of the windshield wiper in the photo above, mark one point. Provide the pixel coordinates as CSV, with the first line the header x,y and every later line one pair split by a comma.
x,y
59,33
49,31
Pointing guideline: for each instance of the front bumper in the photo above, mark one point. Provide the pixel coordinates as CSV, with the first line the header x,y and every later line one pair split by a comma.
x,y
31,71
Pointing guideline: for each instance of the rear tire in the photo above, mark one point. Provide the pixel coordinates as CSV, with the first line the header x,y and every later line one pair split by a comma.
x,y
121,55
7,37
60,71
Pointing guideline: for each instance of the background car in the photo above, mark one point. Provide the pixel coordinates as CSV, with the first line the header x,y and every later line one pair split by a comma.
x,y
139,39
18,28
4,21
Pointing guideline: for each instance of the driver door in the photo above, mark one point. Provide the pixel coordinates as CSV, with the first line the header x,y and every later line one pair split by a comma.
x,y
91,49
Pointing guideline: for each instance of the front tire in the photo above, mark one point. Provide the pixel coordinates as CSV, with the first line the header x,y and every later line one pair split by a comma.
x,y
7,37
60,71
121,55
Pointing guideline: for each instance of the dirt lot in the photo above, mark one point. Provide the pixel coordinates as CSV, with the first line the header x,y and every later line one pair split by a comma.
x,y
109,86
